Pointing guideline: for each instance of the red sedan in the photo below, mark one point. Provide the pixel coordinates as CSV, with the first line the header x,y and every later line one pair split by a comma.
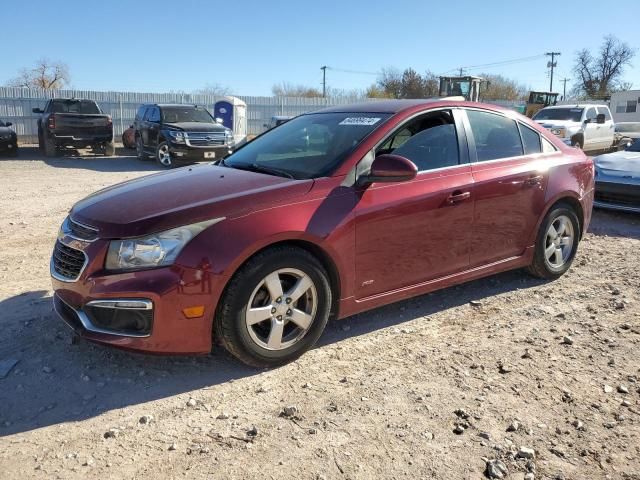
x,y
330,214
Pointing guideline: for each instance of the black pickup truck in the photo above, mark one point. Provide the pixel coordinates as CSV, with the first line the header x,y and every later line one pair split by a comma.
x,y
69,122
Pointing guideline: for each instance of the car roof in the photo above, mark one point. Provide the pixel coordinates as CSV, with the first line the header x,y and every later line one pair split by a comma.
x,y
576,105
161,105
397,106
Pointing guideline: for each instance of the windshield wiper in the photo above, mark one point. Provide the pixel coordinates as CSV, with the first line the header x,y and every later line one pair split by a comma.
x,y
254,167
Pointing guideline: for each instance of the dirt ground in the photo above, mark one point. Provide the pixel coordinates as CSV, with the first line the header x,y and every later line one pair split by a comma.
x,y
540,378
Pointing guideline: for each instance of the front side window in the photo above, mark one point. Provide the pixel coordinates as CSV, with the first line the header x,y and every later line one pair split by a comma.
x,y
308,146
591,114
530,140
495,136
140,113
429,141
153,115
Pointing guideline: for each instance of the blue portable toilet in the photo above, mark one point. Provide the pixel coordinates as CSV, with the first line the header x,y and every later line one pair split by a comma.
x,y
233,113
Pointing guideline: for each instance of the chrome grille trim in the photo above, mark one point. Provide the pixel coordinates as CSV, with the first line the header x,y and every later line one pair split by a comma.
x,y
58,257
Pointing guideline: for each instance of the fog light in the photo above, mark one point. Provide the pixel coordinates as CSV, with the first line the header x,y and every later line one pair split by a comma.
x,y
193,312
179,154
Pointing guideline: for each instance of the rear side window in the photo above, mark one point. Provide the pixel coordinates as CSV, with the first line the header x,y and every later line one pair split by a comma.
x,y
153,114
495,136
547,146
530,140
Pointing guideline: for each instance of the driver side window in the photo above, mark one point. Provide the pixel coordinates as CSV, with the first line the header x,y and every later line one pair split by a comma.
x,y
591,114
430,141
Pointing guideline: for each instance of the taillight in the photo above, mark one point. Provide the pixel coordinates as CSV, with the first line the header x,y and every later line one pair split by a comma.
x,y
52,122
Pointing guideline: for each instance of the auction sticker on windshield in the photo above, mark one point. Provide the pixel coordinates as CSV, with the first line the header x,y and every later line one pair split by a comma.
x,y
359,121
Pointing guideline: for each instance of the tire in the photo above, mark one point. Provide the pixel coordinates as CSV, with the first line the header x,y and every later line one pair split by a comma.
x,y
577,143
163,157
40,142
550,263
109,149
49,147
252,344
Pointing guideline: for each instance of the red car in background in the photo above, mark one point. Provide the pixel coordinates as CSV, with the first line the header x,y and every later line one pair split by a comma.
x,y
330,214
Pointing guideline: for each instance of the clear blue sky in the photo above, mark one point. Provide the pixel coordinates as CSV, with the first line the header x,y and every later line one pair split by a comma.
x,y
159,46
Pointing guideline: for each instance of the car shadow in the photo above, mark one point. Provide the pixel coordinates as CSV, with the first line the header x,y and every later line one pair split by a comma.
x,y
59,378
615,224
123,161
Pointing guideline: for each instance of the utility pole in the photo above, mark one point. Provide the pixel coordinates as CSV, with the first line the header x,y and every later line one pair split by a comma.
x,y
564,88
324,81
461,71
552,64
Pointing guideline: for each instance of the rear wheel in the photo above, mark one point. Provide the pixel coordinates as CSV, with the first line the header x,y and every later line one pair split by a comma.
x,y
275,307
109,149
577,143
163,156
49,147
556,244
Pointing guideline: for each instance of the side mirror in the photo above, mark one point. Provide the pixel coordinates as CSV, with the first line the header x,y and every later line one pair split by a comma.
x,y
600,118
389,168
130,126
219,121
37,110
7,124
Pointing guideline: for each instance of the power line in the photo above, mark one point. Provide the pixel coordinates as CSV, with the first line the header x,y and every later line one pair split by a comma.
x,y
359,72
497,64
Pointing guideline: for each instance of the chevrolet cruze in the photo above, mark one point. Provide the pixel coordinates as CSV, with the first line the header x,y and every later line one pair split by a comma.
x,y
330,214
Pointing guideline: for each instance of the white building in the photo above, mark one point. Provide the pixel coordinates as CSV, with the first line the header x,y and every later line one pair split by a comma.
x,y
625,106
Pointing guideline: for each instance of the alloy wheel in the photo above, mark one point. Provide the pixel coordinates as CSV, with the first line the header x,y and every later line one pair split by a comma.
x,y
559,242
281,309
164,157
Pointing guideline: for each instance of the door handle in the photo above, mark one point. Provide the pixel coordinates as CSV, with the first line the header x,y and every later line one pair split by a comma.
x,y
537,180
458,196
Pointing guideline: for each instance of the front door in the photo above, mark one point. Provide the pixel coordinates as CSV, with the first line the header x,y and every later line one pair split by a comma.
x,y
592,132
509,185
411,232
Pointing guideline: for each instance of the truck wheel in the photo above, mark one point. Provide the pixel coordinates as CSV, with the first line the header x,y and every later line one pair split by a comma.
x,y
577,143
49,147
40,142
109,149
163,156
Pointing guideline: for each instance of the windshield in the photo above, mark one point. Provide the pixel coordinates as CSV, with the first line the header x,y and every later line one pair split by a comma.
x,y
628,127
84,107
308,146
186,114
571,114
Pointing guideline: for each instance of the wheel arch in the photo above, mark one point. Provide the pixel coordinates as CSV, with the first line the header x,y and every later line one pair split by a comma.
x,y
314,249
570,199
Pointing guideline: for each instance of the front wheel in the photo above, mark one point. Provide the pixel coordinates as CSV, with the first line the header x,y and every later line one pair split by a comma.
x,y
163,155
556,244
275,307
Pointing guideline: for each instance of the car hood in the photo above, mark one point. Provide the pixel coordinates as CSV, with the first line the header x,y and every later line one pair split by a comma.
x,y
197,126
619,164
180,197
558,123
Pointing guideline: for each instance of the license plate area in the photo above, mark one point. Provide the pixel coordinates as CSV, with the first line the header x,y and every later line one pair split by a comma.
x,y
209,154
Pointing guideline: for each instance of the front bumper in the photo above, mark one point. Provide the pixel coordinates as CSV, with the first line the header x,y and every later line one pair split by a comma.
x,y
617,195
183,153
168,291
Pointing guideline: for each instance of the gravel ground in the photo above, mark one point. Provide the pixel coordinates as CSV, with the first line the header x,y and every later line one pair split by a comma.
x,y
507,376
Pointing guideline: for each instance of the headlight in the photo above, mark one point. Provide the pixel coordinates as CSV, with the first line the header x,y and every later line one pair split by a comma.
x,y
176,136
157,250
228,135
560,132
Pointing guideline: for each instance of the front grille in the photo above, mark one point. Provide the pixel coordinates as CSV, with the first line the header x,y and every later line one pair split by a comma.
x,y
205,139
67,313
618,194
67,262
82,232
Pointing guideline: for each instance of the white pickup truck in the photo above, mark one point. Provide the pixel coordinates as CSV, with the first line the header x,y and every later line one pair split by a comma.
x,y
586,126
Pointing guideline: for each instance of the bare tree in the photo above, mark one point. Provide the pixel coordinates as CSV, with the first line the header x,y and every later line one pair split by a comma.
x,y
498,87
286,89
46,74
600,75
215,89
408,84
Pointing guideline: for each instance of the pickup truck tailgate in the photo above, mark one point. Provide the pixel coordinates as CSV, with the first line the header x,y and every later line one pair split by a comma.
x,y
78,126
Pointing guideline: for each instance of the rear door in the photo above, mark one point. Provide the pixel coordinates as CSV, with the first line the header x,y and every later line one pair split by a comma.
x,y
411,232
509,185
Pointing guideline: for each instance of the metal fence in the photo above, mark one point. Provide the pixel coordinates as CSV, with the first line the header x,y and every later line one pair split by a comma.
x,y
16,106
